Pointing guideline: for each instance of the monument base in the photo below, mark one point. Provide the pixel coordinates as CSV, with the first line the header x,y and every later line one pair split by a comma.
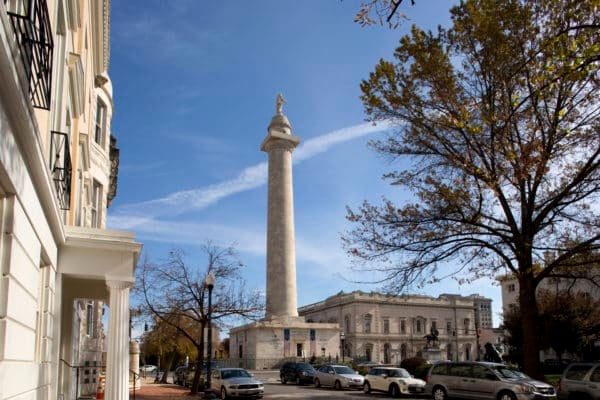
x,y
266,343
432,354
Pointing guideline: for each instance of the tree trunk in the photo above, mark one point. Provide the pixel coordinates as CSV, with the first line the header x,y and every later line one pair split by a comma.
x,y
529,315
199,361
167,367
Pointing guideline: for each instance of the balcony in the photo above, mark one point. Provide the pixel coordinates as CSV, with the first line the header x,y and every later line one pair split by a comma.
x,y
34,36
114,169
60,167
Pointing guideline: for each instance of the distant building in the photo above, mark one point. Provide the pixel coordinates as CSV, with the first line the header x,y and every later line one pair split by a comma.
x,y
388,329
59,160
510,288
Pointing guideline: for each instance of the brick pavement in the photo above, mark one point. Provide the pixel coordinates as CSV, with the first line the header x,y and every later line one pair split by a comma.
x,y
158,391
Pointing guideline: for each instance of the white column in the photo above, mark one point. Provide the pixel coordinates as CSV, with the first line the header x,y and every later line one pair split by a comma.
x,y
117,368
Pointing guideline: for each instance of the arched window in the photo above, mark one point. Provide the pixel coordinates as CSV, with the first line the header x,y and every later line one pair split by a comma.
x,y
467,351
467,324
403,351
387,353
449,352
347,323
369,352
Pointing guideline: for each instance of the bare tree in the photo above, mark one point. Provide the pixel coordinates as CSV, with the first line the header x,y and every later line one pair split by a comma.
x,y
175,293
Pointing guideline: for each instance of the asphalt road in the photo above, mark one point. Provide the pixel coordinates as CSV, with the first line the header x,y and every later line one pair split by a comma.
x,y
277,391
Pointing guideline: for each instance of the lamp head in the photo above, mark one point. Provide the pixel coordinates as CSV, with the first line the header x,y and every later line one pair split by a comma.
x,y
210,279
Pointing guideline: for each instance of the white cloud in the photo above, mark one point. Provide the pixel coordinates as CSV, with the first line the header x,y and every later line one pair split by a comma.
x,y
249,178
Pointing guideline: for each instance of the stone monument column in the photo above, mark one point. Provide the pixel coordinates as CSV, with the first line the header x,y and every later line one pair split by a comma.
x,y
281,251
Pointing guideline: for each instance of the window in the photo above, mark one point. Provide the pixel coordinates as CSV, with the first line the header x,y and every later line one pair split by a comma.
x,y
449,352
90,322
449,327
386,325
100,133
468,351
240,351
369,352
511,288
419,326
367,323
96,204
403,352
347,323
299,350
434,325
386,353
402,326
467,324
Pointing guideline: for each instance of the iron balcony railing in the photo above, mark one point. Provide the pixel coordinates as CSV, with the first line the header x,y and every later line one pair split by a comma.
x,y
34,36
60,167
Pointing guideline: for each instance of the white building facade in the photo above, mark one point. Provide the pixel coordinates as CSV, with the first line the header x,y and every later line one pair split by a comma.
x,y
389,329
58,169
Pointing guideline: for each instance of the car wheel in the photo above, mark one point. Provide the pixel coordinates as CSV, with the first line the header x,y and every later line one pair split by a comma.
x,y
283,380
438,393
223,393
394,390
337,385
507,396
317,382
367,388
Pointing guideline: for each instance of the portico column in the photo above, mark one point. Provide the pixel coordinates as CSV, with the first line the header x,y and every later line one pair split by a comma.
x,y
117,368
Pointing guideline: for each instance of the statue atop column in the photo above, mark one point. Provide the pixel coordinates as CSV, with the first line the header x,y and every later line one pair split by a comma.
x,y
279,104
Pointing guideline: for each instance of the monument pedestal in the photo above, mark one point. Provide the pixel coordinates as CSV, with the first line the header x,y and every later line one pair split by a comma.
x,y
263,344
432,354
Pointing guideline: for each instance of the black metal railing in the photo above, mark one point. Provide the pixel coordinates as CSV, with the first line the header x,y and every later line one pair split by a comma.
x,y
114,169
34,36
60,167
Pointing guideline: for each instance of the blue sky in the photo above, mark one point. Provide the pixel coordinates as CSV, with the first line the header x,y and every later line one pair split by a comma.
x,y
195,84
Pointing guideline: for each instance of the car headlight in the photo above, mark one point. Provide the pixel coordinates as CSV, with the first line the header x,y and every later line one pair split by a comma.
x,y
527,388
232,386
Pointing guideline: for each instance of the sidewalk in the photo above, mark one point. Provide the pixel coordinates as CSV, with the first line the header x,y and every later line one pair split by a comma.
x,y
159,391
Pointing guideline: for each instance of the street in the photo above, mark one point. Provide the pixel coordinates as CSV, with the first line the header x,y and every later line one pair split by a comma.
x,y
279,391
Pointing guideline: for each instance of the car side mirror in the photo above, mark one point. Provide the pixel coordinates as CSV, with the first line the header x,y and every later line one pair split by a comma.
x,y
384,376
332,372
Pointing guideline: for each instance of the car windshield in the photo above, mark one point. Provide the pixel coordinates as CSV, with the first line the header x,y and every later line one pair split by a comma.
x,y
397,373
235,373
343,370
509,373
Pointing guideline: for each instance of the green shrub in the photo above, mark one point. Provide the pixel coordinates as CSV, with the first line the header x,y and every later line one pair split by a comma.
x,y
412,364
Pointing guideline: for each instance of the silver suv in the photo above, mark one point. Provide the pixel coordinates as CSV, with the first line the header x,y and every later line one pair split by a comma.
x,y
580,381
484,380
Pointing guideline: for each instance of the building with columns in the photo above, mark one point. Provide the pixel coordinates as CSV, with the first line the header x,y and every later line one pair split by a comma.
x,y
388,329
59,160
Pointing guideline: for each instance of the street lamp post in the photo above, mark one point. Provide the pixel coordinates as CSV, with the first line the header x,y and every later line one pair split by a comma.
x,y
209,282
342,340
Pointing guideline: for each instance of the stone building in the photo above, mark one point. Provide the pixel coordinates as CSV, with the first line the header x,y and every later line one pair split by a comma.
x,y
58,174
388,329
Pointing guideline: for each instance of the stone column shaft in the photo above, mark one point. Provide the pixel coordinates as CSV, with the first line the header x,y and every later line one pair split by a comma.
x,y
281,249
117,362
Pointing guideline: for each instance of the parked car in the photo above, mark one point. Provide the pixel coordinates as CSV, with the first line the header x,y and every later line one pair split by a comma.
x,y
338,376
235,382
484,380
148,368
395,381
297,372
580,381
